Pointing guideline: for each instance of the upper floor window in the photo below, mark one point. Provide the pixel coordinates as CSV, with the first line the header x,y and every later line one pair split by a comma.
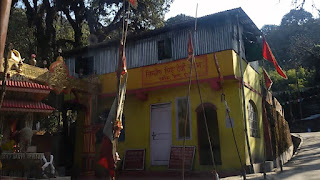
x,y
253,120
84,66
164,49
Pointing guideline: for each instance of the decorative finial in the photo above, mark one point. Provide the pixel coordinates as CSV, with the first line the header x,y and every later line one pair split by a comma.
x,y
10,46
19,70
44,62
59,51
33,60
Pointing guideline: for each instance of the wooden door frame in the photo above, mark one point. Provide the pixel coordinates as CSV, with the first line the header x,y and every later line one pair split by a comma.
x,y
150,118
198,111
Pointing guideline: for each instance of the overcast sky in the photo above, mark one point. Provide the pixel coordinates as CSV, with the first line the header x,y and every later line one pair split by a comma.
x,y
260,11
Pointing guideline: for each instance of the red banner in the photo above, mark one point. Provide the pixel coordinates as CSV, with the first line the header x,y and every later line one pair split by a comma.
x,y
267,54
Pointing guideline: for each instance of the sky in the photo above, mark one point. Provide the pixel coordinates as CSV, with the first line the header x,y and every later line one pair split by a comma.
x,y
261,12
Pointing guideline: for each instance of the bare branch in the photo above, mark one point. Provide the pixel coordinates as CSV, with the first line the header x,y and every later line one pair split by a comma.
x,y
71,21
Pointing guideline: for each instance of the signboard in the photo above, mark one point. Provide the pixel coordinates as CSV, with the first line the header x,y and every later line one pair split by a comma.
x,y
173,72
175,161
134,159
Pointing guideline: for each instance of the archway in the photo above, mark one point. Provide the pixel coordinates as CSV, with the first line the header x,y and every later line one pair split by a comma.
x,y
203,144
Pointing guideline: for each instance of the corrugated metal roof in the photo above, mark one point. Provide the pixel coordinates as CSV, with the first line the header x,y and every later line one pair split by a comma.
x,y
144,52
13,105
216,32
212,19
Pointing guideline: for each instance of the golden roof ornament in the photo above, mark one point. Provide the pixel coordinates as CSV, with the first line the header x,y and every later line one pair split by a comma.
x,y
57,76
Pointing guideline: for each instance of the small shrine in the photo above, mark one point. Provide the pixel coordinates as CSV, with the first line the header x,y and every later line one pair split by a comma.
x,y
25,148
20,109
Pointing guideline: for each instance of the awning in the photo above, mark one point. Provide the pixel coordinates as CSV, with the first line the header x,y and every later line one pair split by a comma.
x,y
25,106
23,86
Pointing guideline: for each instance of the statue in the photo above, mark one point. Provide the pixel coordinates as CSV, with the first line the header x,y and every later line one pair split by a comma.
x,y
33,60
25,135
48,169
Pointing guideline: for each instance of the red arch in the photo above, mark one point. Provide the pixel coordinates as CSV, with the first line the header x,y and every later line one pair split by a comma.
x,y
206,105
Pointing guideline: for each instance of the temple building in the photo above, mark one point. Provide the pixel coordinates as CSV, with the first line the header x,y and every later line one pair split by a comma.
x,y
156,102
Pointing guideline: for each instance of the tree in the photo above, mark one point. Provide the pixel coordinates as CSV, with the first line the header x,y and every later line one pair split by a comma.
x,y
293,40
102,18
296,17
295,46
20,34
267,29
303,76
178,19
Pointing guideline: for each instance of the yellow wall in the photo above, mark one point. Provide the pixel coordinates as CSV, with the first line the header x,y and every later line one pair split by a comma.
x,y
136,75
137,112
256,144
138,124
251,78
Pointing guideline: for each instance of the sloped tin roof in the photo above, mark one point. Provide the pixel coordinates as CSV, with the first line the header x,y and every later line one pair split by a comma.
x,y
25,106
234,14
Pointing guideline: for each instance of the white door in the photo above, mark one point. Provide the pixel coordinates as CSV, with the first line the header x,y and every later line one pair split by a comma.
x,y
160,134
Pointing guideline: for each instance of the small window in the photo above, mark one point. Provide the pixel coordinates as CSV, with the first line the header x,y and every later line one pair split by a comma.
x,y
164,49
253,120
84,66
181,111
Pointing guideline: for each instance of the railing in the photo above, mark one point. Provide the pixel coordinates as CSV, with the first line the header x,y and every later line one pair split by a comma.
x,y
35,156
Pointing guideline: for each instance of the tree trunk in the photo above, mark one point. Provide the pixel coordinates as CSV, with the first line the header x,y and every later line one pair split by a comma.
x,y
4,20
77,37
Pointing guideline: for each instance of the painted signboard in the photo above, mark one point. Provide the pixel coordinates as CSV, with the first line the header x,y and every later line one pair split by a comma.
x,y
134,159
172,72
176,152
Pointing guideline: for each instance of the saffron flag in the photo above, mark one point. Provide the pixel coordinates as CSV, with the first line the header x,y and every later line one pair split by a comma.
x,y
112,130
218,68
134,3
190,47
106,157
267,80
122,63
113,124
267,54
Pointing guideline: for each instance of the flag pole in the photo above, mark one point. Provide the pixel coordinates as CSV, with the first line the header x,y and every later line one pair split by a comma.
x,y
188,93
264,109
243,96
272,59
4,21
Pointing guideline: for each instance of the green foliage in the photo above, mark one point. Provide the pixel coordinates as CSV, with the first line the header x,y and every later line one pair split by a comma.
x,y
296,17
66,24
304,77
20,34
178,19
64,33
105,17
51,123
294,44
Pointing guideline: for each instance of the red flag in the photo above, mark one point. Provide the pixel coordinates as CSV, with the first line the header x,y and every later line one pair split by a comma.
x,y
267,54
106,159
267,79
134,3
266,51
190,47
